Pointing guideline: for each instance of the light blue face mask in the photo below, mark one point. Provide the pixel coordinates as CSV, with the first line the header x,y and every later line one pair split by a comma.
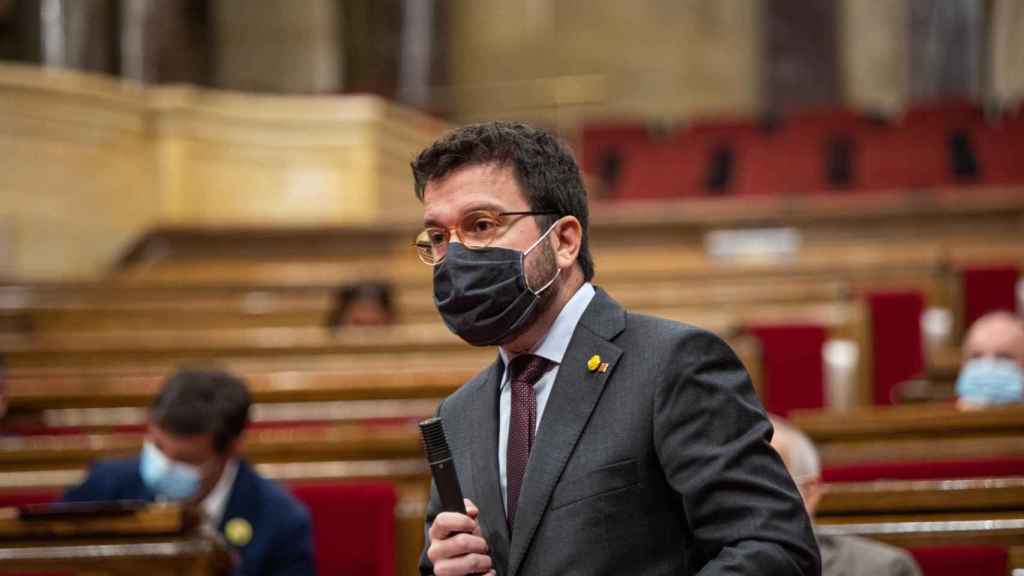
x,y
165,477
990,381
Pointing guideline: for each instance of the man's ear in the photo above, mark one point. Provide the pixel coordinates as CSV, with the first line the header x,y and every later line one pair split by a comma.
x,y
813,490
567,238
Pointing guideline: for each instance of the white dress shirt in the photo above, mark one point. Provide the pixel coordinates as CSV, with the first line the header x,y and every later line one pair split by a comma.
x,y
217,500
552,347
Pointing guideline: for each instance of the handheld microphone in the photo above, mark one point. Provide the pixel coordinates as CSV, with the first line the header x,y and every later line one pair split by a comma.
x,y
442,467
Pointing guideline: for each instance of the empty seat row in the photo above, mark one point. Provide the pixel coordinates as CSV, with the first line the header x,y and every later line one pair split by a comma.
x,y
822,150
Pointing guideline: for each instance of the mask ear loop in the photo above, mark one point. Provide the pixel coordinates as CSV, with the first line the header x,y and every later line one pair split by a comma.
x,y
522,263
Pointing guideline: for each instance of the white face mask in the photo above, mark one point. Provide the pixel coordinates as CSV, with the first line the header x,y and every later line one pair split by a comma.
x,y
165,477
991,381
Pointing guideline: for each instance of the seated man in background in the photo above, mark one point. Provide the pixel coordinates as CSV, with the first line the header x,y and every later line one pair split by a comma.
x,y
840,555
191,454
993,362
361,304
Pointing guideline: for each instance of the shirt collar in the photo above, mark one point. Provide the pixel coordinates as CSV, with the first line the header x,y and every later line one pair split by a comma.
x,y
217,500
554,344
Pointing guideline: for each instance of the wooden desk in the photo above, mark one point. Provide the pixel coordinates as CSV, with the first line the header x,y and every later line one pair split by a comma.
x,y
340,442
161,540
929,513
915,432
112,307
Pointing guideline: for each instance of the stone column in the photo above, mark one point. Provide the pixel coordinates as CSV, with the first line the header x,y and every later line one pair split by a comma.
x,y
275,46
1006,77
873,41
76,34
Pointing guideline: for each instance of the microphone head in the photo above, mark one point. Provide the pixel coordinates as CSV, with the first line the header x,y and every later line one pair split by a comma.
x,y
434,441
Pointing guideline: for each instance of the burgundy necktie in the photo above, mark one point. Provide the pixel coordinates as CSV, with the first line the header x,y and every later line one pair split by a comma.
x,y
524,371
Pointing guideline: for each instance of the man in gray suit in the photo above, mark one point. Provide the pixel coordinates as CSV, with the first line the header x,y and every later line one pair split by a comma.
x,y
599,442
840,555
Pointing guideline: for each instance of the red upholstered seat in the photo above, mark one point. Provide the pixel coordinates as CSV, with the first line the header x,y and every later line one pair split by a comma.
x,y
786,163
944,112
24,497
783,164
905,158
793,369
917,151
951,111
662,170
825,118
987,289
961,560
353,526
360,514
924,470
897,351
702,159
999,151
795,159
601,143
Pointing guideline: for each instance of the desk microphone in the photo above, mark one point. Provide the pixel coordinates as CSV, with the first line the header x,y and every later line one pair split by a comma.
x,y
435,443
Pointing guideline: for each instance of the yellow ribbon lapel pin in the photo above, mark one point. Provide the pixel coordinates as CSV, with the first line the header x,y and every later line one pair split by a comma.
x,y
238,531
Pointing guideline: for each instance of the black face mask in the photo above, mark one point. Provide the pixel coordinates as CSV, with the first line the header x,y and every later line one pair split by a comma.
x,y
483,295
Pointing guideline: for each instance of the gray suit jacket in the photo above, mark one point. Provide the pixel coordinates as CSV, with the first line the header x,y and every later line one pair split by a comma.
x,y
659,465
853,556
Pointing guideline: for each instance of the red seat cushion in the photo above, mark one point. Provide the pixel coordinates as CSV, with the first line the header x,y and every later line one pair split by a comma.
x,y
916,152
662,170
895,340
961,560
23,497
793,369
828,117
987,289
905,158
945,113
924,470
359,514
603,141
998,147
784,163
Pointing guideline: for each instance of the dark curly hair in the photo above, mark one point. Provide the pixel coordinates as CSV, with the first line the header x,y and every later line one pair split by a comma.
x,y
544,167
203,400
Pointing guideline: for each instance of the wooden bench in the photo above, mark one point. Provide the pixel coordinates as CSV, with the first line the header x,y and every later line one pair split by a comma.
x,y
887,434
932,513
112,307
162,537
325,454
935,513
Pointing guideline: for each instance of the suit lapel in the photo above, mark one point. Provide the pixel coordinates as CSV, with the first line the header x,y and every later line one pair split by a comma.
x,y
241,493
484,467
576,392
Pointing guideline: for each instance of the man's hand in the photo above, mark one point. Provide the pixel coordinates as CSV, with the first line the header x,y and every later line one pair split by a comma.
x,y
457,547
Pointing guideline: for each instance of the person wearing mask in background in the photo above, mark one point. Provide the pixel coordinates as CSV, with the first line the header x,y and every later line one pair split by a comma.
x,y
840,555
599,442
191,454
361,304
993,362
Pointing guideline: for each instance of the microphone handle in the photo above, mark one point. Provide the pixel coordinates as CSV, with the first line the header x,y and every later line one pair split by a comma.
x,y
447,483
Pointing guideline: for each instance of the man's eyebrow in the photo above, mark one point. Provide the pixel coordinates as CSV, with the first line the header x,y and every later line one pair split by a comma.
x,y
429,221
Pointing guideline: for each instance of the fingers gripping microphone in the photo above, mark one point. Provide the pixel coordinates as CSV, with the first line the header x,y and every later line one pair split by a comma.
x,y
442,466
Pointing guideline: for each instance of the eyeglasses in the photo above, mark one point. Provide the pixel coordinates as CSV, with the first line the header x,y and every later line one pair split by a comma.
x,y
476,230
